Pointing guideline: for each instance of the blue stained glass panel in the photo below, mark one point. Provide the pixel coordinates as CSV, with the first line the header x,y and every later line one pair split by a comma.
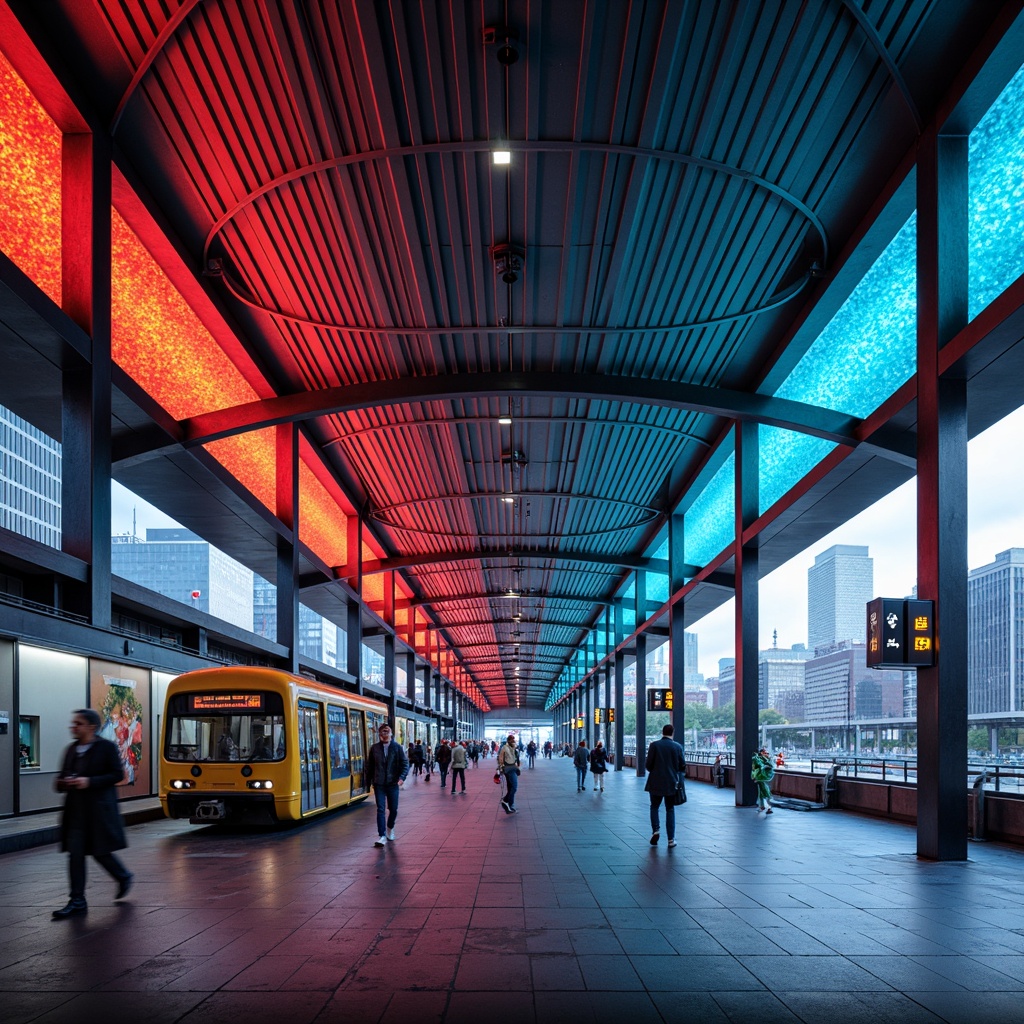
x,y
709,523
869,348
784,457
657,587
995,183
867,351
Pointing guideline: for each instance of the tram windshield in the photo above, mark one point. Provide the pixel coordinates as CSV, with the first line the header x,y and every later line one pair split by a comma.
x,y
225,727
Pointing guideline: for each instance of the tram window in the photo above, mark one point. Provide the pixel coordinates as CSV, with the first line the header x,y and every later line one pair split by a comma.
x,y
231,735
337,737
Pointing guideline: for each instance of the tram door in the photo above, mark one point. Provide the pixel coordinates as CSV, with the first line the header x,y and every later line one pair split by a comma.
x,y
311,755
357,745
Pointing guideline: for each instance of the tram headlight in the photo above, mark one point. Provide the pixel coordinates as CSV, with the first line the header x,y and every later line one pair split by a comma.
x,y
183,784
260,784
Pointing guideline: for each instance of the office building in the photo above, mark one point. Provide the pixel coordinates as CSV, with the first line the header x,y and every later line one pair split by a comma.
x,y
839,586
185,568
780,680
30,480
839,687
995,630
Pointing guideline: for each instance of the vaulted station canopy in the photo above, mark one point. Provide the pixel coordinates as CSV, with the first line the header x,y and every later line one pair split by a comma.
x,y
516,268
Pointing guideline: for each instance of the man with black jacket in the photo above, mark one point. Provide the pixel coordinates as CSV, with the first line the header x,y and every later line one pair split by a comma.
x,y
444,759
388,768
666,768
91,822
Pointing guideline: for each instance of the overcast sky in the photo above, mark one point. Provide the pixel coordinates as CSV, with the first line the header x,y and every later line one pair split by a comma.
x,y
995,523
889,529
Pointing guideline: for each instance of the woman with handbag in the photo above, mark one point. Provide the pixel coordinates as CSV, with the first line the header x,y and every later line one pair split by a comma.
x,y
508,765
666,769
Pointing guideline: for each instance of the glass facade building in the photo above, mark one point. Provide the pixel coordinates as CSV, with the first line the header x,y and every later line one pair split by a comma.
x,y
30,480
839,586
995,627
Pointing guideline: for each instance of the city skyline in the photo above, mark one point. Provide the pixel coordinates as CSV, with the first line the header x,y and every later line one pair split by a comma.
x,y
888,528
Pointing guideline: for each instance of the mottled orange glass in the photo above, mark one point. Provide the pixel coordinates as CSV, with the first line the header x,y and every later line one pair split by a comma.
x,y
322,525
160,342
163,345
30,182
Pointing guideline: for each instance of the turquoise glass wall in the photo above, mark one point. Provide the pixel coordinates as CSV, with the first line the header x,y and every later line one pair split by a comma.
x,y
995,194
866,352
709,523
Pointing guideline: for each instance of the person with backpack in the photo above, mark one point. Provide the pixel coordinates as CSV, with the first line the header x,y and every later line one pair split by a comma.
x,y
762,772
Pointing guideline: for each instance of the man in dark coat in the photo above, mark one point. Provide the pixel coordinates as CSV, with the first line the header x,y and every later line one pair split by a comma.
x,y
666,766
388,767
444,759
91,823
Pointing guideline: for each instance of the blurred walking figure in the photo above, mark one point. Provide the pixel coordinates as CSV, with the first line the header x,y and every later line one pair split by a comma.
x,y
762,772
444,759
91,822
459,761
581,759
598,765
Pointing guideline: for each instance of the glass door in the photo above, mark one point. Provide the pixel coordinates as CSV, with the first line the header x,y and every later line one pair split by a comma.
x,y
311,756
357,747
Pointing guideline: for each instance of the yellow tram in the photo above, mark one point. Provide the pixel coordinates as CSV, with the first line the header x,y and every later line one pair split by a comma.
x,y
259,745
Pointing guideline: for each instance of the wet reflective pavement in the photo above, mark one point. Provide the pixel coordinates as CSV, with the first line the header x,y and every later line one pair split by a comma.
x,y
561,913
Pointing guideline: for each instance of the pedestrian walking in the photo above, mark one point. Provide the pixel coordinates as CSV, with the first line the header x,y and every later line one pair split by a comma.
x,y
444,760
91,823
762,772
460,758
388,769
581,759
598,765
666,767
508,765
418,758
531,753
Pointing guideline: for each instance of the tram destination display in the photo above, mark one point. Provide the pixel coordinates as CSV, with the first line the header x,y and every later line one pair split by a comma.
x,y
225,702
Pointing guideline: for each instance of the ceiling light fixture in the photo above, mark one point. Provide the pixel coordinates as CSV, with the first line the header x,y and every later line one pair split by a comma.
x,y
501,157
505,421
508,262
506,39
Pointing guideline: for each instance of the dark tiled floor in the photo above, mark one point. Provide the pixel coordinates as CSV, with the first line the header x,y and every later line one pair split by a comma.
x,y
561,913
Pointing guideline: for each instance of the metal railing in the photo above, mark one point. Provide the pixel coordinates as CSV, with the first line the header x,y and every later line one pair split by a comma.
x,y
997,778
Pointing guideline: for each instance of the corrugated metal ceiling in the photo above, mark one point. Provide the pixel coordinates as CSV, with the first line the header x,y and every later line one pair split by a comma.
x,y
673,164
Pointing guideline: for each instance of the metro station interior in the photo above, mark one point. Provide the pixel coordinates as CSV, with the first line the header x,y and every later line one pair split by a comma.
x,y
500,343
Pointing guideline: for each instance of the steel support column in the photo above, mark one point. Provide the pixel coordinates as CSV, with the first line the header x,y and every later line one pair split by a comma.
x,y
86,402
618,703
641,702
390,673
942,510
354,642
287,582
746,611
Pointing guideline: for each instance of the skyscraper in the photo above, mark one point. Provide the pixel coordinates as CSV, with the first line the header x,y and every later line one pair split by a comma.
x,y
995,627
30,480
839,586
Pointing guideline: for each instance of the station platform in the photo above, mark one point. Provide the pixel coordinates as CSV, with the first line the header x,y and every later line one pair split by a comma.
x,y
563,912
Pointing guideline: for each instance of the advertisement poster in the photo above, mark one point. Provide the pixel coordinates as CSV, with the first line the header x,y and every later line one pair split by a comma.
x,y
120,694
